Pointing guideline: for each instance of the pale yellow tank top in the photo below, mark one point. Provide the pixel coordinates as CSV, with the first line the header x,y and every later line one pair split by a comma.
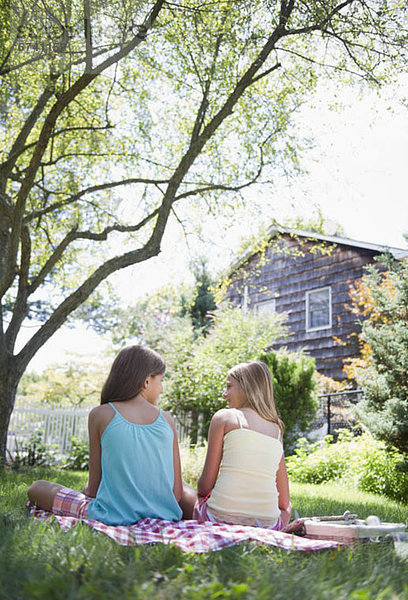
x,y
246,484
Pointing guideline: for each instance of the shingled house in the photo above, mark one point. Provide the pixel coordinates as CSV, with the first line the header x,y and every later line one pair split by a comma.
x,y
308,276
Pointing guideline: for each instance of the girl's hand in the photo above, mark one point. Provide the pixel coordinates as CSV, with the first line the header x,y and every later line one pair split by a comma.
x,y
86,490
286,514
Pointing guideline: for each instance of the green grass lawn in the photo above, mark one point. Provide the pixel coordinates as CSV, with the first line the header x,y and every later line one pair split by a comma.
x,y
38,560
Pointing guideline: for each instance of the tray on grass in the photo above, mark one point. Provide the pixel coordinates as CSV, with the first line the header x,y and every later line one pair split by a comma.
x,y
346,528
349,532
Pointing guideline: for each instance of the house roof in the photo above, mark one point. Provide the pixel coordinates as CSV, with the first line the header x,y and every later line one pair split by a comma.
x,y
397,253
333,239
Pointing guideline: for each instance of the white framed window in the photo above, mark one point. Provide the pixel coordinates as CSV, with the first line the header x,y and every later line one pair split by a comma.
x,y
266,307
318,309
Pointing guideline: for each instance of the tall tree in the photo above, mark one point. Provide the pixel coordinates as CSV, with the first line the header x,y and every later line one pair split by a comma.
x,y
203,302
173,102
381,298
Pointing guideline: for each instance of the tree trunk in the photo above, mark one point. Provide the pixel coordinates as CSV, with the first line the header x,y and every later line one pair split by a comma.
x,y
9,379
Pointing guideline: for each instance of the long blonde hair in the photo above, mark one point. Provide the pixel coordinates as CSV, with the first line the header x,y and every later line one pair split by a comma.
x,y
256,383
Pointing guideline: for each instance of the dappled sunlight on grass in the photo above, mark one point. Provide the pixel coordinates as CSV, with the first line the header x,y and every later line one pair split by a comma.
x,y
333,499
38,560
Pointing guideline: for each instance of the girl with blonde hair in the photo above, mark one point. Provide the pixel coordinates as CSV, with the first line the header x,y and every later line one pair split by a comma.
x,y
244,479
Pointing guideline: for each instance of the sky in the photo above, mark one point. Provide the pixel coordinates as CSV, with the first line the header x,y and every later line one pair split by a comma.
x,y
356,175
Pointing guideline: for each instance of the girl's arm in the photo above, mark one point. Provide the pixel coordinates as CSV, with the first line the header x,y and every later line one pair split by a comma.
x,y
214,454
282,484
95,469
178,483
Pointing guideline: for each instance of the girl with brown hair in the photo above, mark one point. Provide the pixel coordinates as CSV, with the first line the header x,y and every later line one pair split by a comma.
x,y
134,462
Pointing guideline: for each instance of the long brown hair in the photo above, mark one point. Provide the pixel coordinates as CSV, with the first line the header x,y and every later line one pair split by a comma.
x,y
129,371
256,382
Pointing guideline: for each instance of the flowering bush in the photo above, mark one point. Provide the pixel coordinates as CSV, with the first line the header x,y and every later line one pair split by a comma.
x,y
359,462
317,462
78,457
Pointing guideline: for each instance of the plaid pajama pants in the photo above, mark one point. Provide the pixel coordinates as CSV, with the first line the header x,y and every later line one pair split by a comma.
x,y
70,503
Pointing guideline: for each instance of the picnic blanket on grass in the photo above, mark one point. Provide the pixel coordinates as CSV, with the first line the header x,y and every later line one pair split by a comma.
x,y
189,536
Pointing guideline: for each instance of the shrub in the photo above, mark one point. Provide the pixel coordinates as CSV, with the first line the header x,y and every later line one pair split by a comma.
x,y
78,457
317,462
380,473
294,387
382,299
34,452
197,379
360,462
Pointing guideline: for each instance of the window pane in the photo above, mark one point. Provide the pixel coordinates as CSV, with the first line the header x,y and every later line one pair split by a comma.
x,y
319,309
267,307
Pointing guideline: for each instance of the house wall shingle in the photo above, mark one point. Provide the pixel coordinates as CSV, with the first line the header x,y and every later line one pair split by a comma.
x,y
289,268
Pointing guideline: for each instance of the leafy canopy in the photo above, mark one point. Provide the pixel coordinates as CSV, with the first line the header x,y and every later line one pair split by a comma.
x,y
116,117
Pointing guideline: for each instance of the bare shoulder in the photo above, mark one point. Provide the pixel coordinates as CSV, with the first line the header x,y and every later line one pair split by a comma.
x,y
101,410
222,418
221,415
169,418
101,415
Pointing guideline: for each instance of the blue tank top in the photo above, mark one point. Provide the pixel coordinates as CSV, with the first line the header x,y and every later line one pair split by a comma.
x,y
137,473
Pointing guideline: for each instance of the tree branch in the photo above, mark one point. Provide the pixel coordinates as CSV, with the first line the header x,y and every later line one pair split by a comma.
x,y
322,25
56,134
202,111
319,64
267,72
75,235
74,300
35,214
219,186
180,222
346,45
20,306
88,36
18,146
68,96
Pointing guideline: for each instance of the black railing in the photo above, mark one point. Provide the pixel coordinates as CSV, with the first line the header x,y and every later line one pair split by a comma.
x,y
335,411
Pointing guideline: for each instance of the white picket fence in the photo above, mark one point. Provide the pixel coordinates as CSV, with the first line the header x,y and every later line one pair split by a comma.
x,y
58,423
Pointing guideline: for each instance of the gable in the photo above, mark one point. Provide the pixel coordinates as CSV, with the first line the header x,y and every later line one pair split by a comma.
x,y
310,281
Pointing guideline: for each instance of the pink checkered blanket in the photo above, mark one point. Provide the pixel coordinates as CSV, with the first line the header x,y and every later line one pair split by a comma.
x,y
189,536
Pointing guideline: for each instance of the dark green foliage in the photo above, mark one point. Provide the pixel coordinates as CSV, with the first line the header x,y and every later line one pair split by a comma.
x,y
197,377
384,409
78,457
294,387
359,462
33,453
203,301
197,380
